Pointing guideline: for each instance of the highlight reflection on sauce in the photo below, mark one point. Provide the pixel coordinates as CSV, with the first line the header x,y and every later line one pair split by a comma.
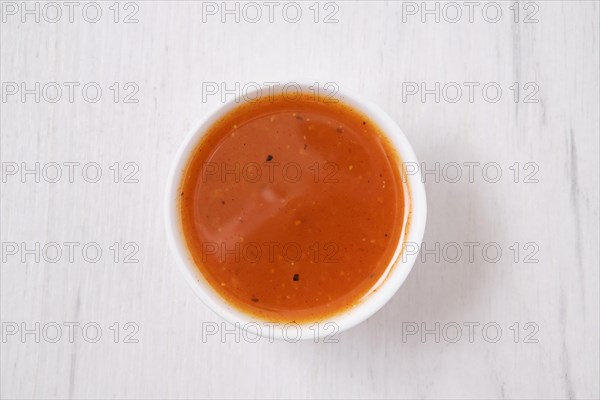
x,y
292,210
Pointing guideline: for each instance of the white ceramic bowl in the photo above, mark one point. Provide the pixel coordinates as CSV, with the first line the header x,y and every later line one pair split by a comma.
x,y
346,319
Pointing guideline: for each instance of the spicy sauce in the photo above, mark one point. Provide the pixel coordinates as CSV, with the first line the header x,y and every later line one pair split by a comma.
x,y
292,209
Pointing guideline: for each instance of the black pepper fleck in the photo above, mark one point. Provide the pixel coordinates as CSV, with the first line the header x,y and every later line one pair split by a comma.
x,y
254,299
269,157
296,277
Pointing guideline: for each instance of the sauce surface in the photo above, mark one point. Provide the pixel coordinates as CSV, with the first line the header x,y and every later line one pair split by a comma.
x,y
292,210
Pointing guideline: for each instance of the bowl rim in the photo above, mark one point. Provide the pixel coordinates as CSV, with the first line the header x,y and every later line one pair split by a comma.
x,y
345,319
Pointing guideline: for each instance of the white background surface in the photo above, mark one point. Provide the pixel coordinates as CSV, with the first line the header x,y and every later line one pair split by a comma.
x,y
169,53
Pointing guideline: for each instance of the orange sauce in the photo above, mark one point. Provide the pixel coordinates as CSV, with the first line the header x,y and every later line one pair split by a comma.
x,y
293,210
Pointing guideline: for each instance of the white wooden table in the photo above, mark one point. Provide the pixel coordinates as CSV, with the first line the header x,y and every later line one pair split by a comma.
x,y
540,295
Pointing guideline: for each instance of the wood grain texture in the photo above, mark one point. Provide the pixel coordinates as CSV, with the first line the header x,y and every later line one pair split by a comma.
x,y
169,54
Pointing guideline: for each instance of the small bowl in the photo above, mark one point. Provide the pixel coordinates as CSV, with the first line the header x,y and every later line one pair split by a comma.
x,y
345,319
